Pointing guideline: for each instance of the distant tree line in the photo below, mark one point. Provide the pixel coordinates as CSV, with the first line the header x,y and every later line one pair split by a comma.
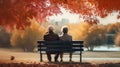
x,y
96,34
93,35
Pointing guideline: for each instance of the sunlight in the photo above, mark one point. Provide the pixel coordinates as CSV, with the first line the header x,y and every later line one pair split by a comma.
x,y
75,18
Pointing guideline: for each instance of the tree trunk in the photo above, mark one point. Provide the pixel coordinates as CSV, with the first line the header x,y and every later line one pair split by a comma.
x,y
91,48
24,49
30,49
88,49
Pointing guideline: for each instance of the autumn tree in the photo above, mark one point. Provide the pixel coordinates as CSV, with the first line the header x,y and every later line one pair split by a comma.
x,y
113,28
92,35
106,7
4,38
79,31
90,9
27,38
110,29
117,37
117,40
95,37
15,12
117,27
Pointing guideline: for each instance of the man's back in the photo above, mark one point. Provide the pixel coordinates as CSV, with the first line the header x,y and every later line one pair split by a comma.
x,y
51,37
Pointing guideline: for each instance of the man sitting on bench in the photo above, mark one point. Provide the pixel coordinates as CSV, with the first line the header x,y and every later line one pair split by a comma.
x,y
51,36
65,37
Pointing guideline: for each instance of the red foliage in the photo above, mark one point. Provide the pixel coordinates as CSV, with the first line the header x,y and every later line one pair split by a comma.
x,y
16,12
107,6
93,7
92,21
118,16
57,65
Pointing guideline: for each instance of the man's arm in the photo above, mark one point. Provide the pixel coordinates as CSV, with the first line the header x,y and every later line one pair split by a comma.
x,y
44,37
71,38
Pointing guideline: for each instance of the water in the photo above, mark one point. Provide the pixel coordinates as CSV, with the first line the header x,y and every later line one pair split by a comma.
x,y
107,48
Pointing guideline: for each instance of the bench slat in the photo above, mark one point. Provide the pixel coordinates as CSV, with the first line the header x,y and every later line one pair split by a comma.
x,y
62,46
61,50
51,45
75,42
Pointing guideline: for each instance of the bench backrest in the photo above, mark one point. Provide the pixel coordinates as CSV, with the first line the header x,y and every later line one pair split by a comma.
x,y
60,46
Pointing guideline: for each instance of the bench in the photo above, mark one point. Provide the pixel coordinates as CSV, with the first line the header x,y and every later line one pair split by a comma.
x,y
62,46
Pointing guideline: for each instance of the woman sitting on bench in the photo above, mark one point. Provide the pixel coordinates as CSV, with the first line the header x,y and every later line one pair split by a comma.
x,y
65,37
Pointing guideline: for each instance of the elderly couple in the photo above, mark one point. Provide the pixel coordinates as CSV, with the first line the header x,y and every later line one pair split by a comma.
x,y
51,36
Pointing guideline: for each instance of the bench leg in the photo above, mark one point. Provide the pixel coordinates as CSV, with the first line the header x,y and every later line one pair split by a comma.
x,y
80,56
70,56
41,57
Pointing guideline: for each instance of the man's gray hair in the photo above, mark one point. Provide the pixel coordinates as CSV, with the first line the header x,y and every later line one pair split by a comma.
x,y
50,28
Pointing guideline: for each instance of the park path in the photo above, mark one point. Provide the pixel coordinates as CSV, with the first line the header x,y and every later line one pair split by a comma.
x,y
95,57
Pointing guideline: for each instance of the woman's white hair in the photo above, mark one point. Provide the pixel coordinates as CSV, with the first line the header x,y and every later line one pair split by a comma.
x,y
63,28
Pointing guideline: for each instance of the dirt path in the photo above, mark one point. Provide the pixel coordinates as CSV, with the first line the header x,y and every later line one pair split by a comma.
x,y
94,57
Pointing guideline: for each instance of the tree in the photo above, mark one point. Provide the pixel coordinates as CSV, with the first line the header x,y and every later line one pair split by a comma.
x,y
79,31
117,40
106,7
90,9
113,28
4,38
15,12
92,35
110,29
95,37
27,39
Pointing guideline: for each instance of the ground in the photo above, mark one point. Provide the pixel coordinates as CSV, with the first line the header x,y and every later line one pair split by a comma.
x,y
89,57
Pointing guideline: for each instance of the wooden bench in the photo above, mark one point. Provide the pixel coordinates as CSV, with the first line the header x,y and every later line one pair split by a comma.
x,y
62,46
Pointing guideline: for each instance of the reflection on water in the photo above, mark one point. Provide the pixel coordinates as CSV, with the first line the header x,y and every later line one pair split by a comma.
x,y
107,48
100,58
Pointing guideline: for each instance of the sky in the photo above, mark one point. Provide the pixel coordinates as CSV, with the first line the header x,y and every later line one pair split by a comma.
x,y
74,18
112,18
